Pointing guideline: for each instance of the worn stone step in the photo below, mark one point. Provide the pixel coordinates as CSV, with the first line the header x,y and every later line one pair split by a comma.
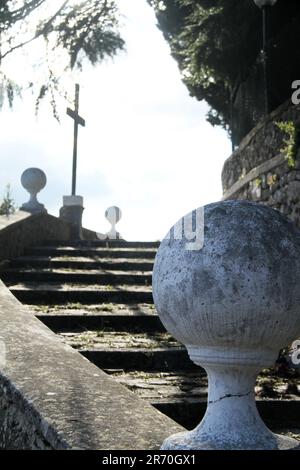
x,y
168,359
122,317
52,293
106,308
72,321
279,415
157,387
130,351
83,263
103,277
105,243
145,253
120,340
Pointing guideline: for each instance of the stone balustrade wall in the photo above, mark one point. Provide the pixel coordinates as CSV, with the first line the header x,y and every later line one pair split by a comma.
x,y
22,230
259,171
51,397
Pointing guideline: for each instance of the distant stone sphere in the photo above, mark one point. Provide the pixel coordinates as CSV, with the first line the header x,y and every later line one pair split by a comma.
x,y
33,180
113,214
241,289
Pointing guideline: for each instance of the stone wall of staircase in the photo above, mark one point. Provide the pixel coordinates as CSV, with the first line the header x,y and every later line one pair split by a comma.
x,y
259,171
51,397
22,230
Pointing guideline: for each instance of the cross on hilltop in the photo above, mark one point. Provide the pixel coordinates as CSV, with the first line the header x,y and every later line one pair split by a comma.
x,y
78,120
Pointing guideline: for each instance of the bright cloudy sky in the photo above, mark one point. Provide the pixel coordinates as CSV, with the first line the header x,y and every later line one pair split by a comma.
x,y
146,147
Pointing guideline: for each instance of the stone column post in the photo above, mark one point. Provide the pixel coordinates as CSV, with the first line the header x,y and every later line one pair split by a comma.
x,y
71,212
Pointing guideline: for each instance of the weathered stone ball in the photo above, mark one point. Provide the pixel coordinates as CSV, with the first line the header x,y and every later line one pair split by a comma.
x,y
113,214
241,289
33,180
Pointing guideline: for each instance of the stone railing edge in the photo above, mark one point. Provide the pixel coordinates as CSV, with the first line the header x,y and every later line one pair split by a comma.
x,y
253,174
51,397
238,154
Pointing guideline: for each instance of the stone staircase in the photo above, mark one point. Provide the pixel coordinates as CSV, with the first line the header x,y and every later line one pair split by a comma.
x,y
97,297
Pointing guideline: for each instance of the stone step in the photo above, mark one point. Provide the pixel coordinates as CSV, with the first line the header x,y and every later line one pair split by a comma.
x,y
130,351
52,293
122,317
159,387
103,339
105,243
278,415
52,251
106,308
83,263
72,321
103,277
162,359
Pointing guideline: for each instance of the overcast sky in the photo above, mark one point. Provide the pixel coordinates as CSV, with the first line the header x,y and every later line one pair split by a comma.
x,y
146,147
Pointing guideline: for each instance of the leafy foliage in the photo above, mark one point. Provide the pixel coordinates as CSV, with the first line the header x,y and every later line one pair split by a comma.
x,y
82,29
291,142
217,44
212,44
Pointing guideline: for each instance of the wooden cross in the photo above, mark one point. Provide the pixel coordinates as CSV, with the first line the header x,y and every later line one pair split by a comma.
x,y
77,121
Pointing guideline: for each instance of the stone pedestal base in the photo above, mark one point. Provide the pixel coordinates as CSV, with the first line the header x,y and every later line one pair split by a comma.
x,y
36,208
113,235
71,212
190,441
231,421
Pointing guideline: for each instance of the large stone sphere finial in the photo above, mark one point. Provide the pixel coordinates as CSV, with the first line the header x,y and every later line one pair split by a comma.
x,y
234,302
33,180
113,216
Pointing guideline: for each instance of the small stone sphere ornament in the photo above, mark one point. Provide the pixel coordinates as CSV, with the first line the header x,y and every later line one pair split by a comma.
x,y
33,180
113,215
234,302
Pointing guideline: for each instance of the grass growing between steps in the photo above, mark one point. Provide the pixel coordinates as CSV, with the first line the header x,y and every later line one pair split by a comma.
x,y
109,339
71,307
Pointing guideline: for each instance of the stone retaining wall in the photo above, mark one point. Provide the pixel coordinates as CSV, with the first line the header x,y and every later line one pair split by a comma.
x,y
259,170
21,230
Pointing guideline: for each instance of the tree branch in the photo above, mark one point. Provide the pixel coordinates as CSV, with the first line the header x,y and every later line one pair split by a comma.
x,y
38,33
